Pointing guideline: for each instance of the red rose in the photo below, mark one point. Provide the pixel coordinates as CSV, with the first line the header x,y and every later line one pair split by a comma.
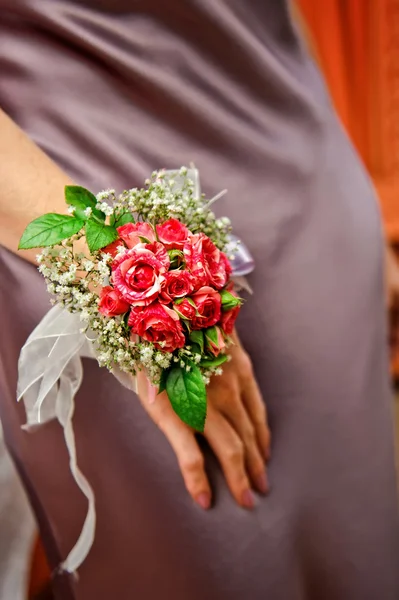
x,y
158,324
137,274
132,232
186,310
206,262
111,303
112,248
208,304
228,320
173,234
177,284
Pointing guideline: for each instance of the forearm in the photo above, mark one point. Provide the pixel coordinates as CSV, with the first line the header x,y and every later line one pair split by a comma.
x,y
31,184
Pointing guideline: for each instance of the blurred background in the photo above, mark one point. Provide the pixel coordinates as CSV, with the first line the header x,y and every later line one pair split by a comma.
x,y
356,46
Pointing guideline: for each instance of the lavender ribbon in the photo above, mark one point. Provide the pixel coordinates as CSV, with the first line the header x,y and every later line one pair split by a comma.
x,y
242,261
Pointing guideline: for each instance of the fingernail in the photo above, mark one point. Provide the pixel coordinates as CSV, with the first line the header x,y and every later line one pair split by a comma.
x,y
204,500
262,484
248,499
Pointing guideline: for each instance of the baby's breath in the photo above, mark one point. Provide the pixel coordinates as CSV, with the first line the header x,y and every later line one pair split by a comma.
x,y
172,195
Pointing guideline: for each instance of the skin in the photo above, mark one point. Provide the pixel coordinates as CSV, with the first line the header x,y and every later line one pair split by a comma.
x,y
236,426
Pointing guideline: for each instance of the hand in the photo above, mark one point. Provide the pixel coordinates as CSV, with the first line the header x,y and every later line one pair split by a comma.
x,y
236,429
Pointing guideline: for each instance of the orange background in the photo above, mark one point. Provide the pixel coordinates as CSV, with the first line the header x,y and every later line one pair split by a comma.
x,y
357,45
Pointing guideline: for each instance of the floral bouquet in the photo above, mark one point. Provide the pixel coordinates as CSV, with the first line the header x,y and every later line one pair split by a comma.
x,y
148,274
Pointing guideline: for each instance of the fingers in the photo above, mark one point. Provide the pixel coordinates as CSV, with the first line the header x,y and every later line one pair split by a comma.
x,y
236,429
254,461
229,450
191,461
183,442
255,407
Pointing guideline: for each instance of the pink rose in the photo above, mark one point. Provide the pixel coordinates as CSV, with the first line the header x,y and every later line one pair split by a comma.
x,y
208,303
158,324
214,339
208,265
111,303
160,252
177,284
137,274
112,248
131,233
194,259
228,319
173,234
216,264
185,309
226,264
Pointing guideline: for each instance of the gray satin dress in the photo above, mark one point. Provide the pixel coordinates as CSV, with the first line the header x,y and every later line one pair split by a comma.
x,y
112,89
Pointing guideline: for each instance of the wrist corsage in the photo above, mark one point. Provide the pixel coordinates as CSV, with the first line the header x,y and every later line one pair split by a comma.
x,y
141,281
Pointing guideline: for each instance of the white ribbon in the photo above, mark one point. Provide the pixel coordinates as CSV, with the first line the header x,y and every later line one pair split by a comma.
x,y
50,374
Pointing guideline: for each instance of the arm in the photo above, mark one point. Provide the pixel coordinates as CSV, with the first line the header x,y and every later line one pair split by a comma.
x,y
31,184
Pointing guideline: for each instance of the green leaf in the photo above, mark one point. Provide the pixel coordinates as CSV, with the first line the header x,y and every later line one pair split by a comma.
x,y
80,198
211,333
191,301
187,323
176,258
229,301
228,307
213,362
198,338
49,230
180,315
175,254
162,381
187,394
195,349
124,218
99,235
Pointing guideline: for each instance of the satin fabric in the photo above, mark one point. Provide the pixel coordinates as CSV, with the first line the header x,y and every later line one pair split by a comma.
x,y
111,90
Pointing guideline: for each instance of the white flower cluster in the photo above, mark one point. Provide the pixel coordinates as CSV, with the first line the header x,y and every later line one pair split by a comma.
x,y
106,202
166,197
152,360
185,356
105,208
